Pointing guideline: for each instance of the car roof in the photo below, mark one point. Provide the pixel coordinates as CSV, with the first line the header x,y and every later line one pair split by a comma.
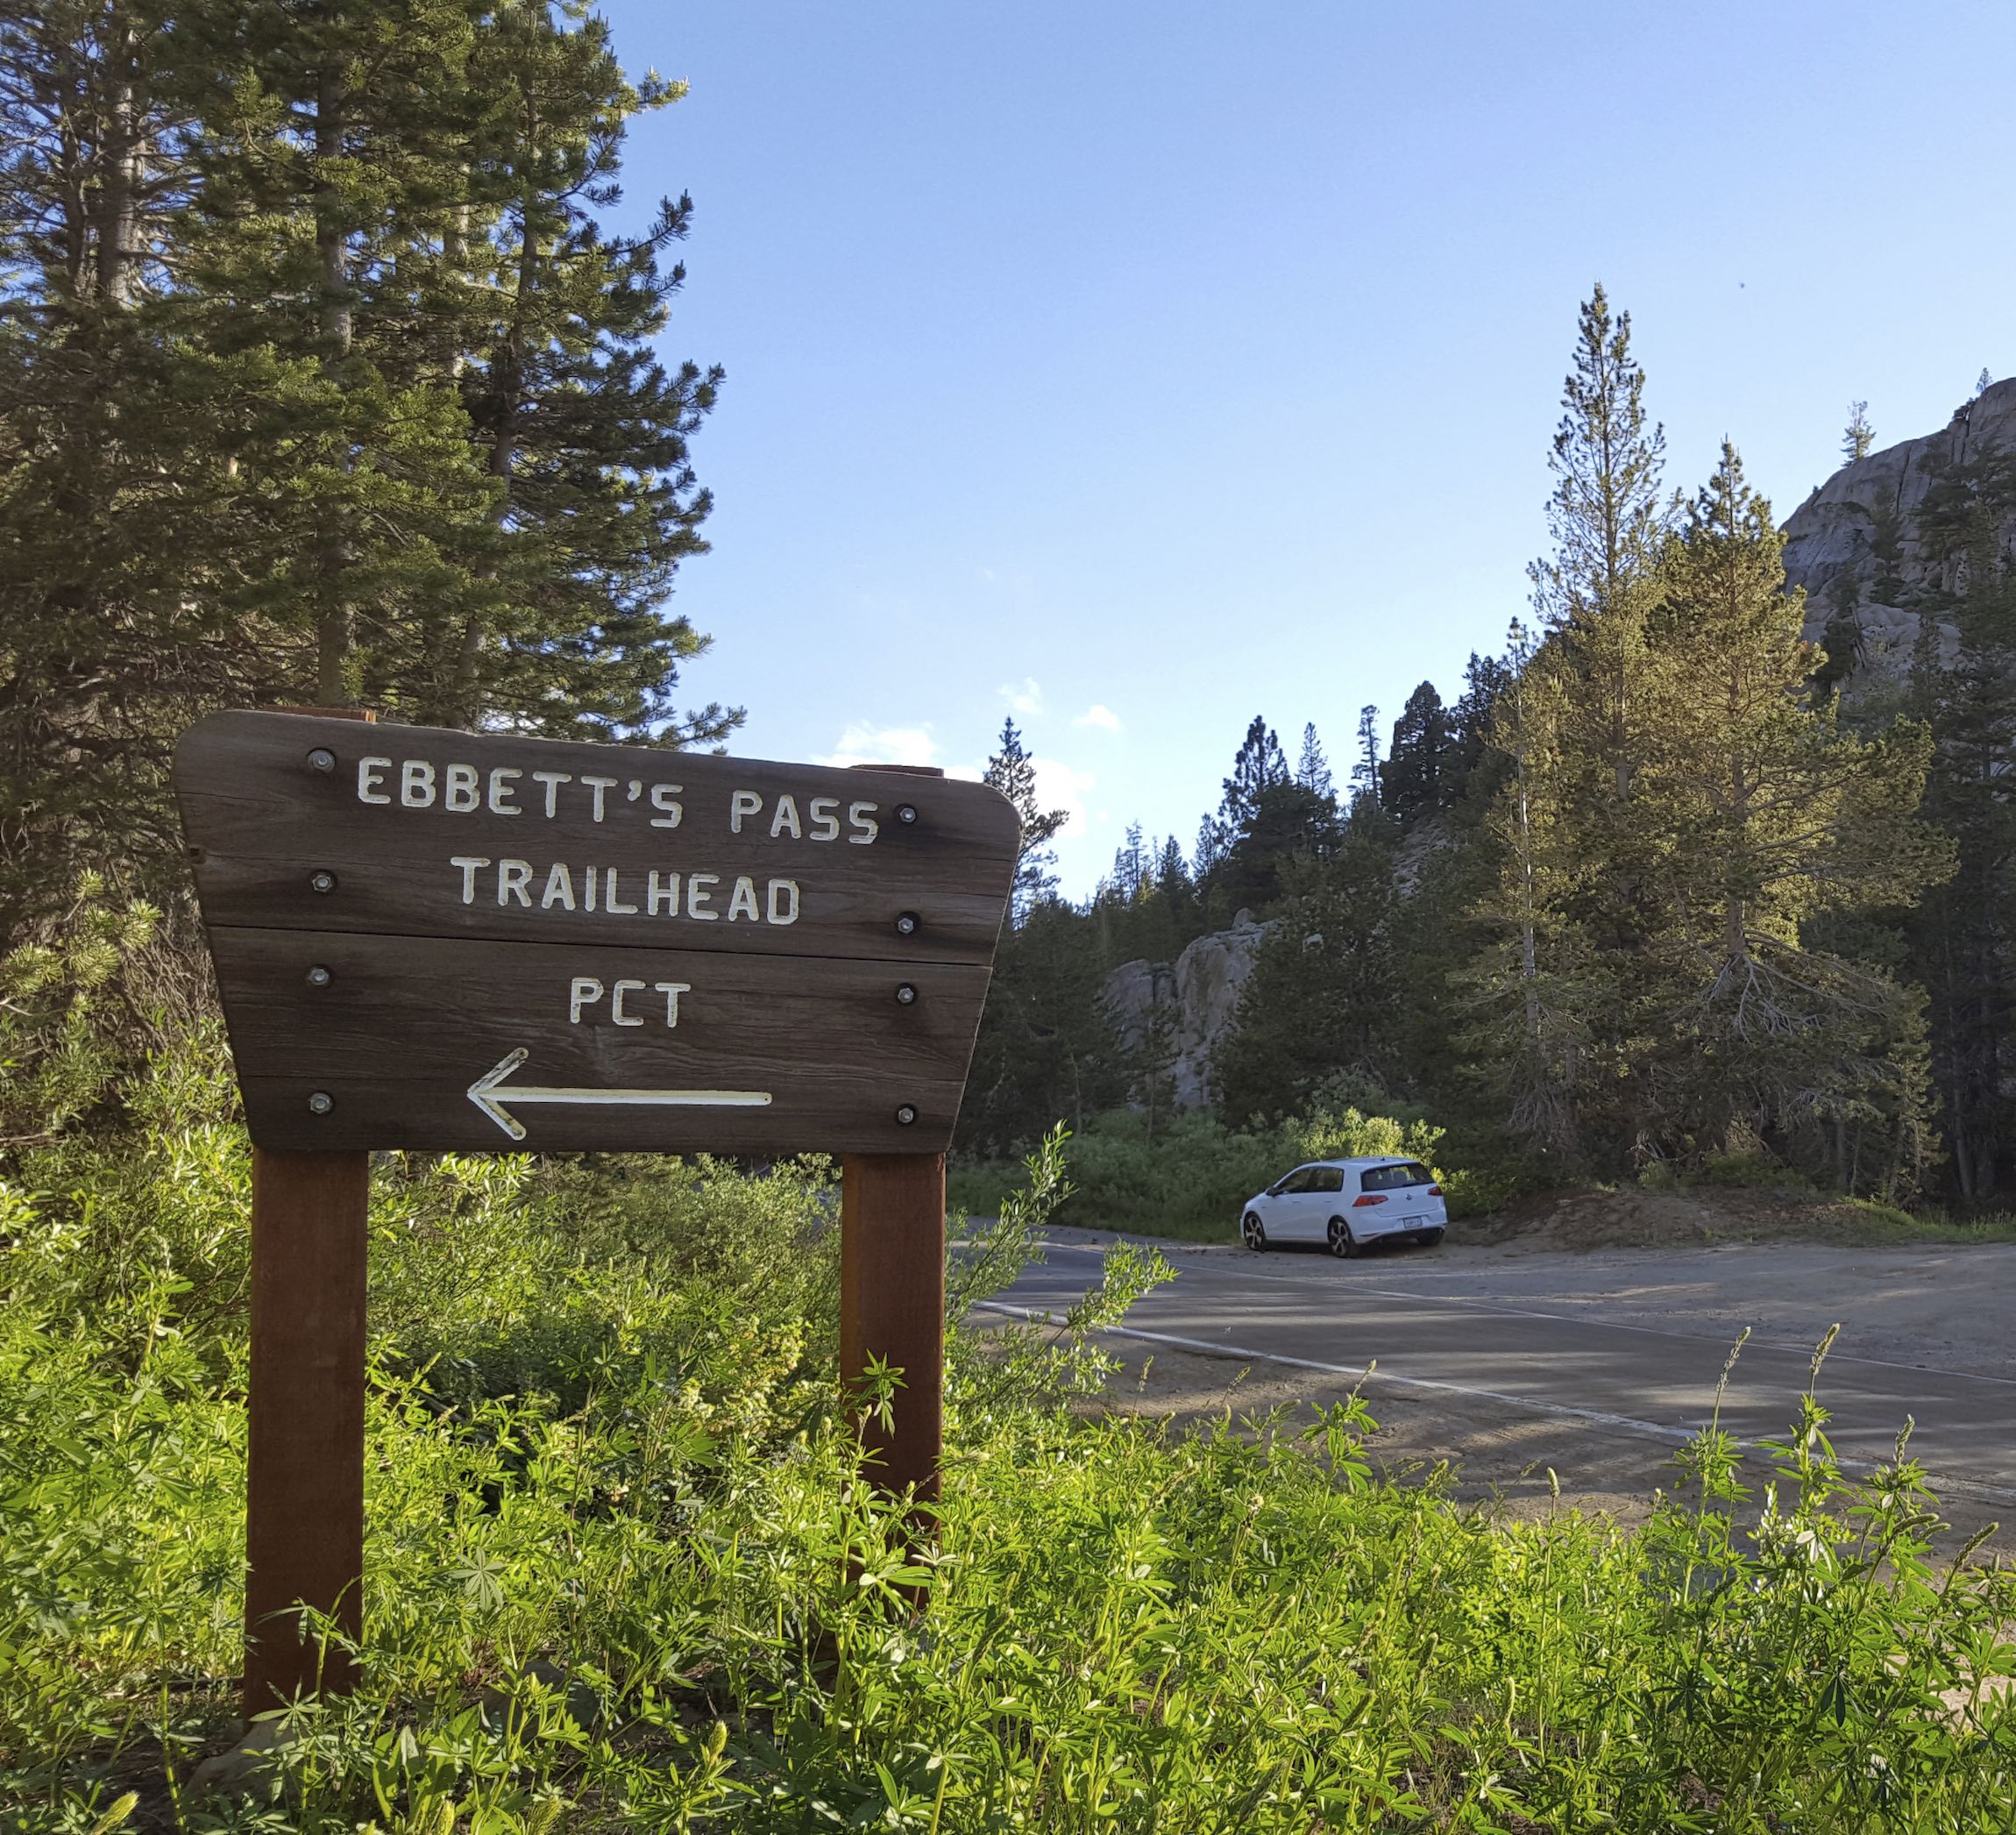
x,y
1370,1159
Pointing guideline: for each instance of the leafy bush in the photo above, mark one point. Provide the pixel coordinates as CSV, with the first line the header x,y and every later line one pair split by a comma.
x,y
1347,1135
679,1607
1755,1170
626,1568
1188,1176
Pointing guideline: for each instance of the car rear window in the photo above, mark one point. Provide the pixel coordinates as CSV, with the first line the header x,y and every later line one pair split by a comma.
x,y
1328,1179
1393,1178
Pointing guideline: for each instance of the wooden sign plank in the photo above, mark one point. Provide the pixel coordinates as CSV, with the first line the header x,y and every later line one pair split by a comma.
x,y
455,941
295,822
500,1048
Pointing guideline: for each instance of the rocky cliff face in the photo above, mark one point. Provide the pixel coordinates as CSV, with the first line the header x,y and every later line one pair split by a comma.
x,y
1835,541
1197,994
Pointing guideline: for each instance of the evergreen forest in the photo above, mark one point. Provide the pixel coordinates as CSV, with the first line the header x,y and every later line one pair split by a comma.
x,y
1663,889
328,378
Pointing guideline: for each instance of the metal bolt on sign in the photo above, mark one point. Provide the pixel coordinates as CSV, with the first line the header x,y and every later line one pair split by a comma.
x,y
548,946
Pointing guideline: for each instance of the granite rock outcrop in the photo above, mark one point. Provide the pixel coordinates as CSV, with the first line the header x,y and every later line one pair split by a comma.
x,y
1192,999
1835,541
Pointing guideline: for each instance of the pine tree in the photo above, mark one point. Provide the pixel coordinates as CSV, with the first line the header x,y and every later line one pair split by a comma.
x,y
116,521
1212,843
1769,815
1365,772
1323,999
1584,742
1258,767
318,380
1269,819
1012,771
1130,881
1959,940
1526,987
1047,1050
1469,775
334,152
1410,780
1860,437
1312,768
1607,521
584,432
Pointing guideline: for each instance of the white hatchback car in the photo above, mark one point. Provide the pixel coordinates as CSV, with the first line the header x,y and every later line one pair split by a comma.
x,y
1350,1204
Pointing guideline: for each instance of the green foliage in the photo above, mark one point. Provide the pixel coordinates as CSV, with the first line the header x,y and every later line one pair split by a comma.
x,y
1347,1135
66,1023
1021,1362
1047,1046
1324,996
1753,1171
624,1569
321,380
664,1598
1188,1176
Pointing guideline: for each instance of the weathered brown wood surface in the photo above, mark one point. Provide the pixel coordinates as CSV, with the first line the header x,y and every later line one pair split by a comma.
x,y
394,911
263,821
892,1305
393,1030
304,1482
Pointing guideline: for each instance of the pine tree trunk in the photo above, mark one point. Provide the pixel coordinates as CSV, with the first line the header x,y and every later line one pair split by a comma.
x,y
334,628
119,166
509,388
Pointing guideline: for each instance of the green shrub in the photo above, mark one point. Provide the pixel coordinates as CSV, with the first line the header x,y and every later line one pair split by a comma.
x,y
1188,1176
625,1569
1755,1170
1347,1135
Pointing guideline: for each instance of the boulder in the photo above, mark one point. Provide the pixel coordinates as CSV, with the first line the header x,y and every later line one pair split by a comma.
x,y
1196,995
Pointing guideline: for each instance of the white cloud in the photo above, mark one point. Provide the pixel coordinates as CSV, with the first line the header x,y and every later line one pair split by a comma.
x,y
1062,786
1028,701
864,744
1099,715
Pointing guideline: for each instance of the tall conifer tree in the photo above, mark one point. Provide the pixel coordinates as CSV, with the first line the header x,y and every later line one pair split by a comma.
x,y
1770,814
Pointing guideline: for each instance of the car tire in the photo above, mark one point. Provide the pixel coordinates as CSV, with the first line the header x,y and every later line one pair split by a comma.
x,y
1342,1242
1252,1231
1432,1240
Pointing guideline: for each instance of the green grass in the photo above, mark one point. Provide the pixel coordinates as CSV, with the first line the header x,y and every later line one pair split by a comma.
x,y
626,1571
1869,1222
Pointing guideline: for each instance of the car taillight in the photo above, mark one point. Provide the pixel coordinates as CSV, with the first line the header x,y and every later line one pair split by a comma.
x,y
1370,1198
1435,1191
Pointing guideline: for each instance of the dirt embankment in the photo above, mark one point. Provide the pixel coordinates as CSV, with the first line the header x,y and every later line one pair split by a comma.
x,y
1632,1217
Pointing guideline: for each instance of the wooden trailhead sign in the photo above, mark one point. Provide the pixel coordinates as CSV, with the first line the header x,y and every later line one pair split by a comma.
x,y
467,943
463,942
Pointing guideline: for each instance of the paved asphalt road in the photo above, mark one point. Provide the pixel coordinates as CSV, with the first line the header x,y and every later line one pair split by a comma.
x,y
1434,1325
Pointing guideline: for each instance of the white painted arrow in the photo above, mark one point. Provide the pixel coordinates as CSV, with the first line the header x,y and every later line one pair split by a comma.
x,y
483,1093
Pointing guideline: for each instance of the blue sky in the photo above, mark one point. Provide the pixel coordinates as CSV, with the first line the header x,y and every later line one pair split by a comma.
x,y
1138,368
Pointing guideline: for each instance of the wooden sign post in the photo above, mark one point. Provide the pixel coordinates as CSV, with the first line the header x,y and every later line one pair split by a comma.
x,y
447,941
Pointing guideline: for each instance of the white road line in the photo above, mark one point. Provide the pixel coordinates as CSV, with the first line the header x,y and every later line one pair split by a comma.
x,y
1608,1325
1596,1416
1216,1350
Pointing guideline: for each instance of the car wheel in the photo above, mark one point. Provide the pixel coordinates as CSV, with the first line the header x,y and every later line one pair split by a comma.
x,y
1342,1242
1254,1230
1432,1240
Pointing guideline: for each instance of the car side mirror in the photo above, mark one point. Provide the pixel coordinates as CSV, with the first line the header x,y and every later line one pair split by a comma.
x,y
1274,1191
